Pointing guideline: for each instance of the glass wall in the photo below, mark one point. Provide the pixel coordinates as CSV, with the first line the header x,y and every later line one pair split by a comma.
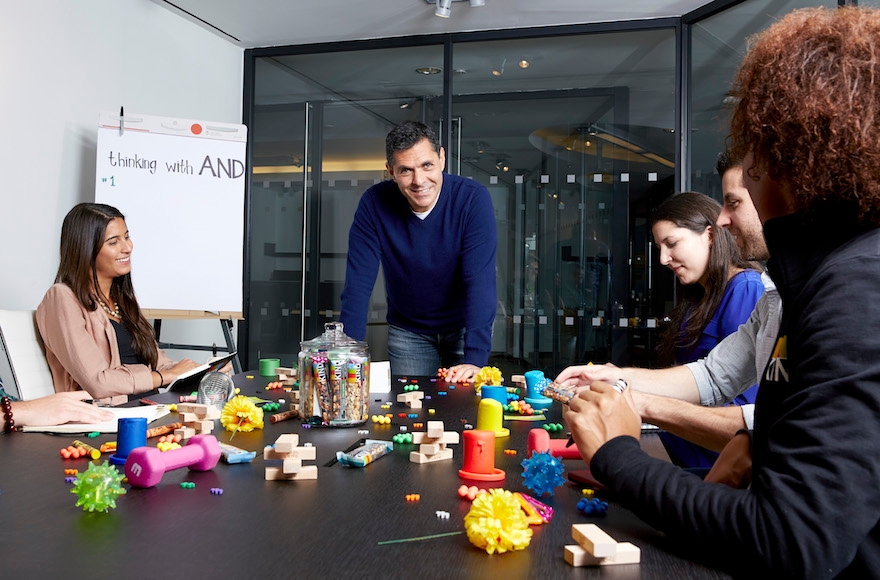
x,y
571,135
574,130
718,44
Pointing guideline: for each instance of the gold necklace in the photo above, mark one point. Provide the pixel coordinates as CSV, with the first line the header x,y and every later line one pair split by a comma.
x,y
113,313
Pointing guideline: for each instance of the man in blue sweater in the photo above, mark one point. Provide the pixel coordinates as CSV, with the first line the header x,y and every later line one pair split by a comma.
x,y
436,238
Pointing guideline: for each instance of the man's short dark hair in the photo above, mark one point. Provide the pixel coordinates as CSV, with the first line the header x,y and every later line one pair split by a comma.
x,y
405,136
725,162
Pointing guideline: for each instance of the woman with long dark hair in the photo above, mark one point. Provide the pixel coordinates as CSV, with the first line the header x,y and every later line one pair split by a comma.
x,y
717,292
96,336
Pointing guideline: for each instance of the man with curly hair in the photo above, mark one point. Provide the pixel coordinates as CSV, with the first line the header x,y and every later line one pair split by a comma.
x,y
807,125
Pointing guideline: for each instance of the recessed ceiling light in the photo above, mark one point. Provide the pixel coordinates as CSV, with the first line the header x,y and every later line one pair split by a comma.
x,y
428,70
523,63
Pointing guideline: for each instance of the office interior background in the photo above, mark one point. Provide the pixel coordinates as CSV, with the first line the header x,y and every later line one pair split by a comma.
x,y
619,106
578,132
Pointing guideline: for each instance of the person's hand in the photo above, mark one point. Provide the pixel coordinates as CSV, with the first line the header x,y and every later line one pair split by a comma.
x,y
58,409
598,415
734,464
463,372
583,375
171,375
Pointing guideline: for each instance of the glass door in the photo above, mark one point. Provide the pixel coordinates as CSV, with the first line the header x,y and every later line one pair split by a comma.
x,y
561,209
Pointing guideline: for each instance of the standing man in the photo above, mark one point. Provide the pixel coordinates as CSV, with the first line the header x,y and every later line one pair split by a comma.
x,y
436,238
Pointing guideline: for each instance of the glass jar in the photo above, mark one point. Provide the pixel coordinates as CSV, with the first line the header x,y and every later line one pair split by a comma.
x,y
334,378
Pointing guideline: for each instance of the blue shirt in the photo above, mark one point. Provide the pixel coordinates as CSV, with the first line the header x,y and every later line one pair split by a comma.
x,y
439,272
740,296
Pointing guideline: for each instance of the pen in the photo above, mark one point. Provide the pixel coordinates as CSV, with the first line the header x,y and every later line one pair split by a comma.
x,y
121,122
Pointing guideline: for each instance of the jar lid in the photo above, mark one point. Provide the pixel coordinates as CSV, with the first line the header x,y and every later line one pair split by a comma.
x,y
333,337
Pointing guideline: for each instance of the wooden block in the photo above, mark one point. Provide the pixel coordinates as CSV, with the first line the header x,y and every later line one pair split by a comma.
x,y
594,540
290,372
185,432
286,443
212,414
442,455
627,553
415,404
435,429
431,448
197,408
410,396
276,474
449,438
291,465
188,417
202,426
518,379
304,453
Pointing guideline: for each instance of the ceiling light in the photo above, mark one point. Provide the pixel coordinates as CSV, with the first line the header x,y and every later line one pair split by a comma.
x,y
478,2
444,8
523,63
428,70
499,71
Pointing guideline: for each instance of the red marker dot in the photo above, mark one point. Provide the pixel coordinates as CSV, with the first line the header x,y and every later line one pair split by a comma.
x,y
196,129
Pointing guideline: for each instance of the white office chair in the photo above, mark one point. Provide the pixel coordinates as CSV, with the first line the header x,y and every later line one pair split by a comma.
x,y
21,342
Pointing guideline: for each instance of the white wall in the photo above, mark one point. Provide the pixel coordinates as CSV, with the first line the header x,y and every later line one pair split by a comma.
x,y
63,62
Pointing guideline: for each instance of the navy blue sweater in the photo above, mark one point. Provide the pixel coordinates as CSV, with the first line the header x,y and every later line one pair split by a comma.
x,y
813,508
439,272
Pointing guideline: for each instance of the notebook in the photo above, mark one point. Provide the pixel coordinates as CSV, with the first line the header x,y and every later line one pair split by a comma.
x,y
189,381
151,413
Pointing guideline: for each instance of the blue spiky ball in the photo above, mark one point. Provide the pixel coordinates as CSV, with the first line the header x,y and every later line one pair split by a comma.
x,y
542,473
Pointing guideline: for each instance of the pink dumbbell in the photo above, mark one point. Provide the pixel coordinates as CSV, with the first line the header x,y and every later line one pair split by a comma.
x,y
145,466
539,440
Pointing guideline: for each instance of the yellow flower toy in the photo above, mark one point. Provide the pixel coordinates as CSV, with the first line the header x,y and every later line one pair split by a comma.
x,y
241,414
496,522
487,376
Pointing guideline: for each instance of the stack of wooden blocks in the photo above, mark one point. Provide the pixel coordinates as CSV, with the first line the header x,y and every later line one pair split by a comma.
x,y
291,455
196,419
286,376
413,399
596,548
432,443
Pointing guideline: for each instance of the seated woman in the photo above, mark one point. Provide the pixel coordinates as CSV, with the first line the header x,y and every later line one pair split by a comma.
x,y
96,337
717,293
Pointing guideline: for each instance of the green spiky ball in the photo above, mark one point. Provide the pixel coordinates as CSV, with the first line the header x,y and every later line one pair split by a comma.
x,y
98,487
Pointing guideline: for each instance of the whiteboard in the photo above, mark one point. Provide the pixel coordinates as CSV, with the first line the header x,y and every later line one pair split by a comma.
x,y
180,185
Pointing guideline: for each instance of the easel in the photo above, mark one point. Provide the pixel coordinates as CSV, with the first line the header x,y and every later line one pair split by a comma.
x,y
225,319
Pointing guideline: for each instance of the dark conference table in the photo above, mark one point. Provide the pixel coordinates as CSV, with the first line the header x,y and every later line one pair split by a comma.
x,y
313,528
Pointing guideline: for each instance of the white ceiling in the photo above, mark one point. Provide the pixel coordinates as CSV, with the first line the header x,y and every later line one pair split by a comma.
x,y
262,23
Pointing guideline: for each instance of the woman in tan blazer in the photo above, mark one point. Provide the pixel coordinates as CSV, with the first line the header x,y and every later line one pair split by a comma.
x,y
96,337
